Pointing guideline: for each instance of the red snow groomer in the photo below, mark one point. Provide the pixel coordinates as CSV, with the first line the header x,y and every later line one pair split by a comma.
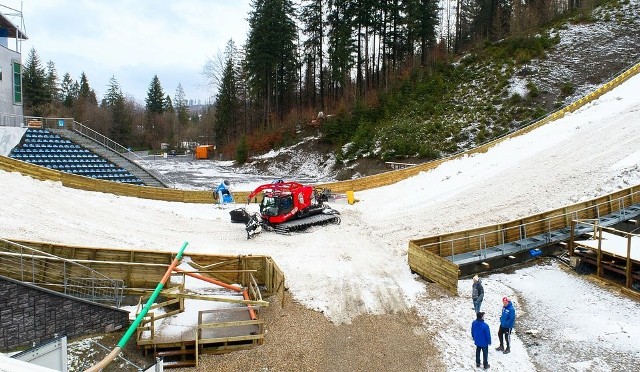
x,y
289,206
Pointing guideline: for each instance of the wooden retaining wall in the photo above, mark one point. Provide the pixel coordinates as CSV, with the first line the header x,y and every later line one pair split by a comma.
x,y
141,270
364,183
117,188
433,267
427,255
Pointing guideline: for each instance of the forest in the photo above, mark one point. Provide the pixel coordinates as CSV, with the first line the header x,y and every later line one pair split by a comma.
x,y
370,74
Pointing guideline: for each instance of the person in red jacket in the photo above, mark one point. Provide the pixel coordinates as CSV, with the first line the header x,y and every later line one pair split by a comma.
x,y
482,338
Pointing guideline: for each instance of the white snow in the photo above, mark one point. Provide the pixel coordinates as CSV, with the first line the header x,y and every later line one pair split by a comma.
x,y
614,244
9,138
518,86
360,266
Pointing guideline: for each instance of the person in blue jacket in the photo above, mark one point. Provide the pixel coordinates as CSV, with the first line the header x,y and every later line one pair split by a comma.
x,y
482,338
507,320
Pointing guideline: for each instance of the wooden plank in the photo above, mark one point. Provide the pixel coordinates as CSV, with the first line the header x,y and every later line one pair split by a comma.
x,y
214,298
204,341
630,292
141,269
433,268
237,323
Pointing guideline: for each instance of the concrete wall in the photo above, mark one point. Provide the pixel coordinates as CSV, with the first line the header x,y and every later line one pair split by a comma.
x,y
7,106
9,138
31,314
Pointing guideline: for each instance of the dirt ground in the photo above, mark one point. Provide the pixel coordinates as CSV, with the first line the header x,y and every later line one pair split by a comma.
x,y
299,339
296,339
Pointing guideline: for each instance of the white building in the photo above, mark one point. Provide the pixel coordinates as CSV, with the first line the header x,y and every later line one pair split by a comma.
x,y
10,66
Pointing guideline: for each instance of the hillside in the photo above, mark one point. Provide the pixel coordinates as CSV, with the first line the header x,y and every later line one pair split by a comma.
x,y
483,95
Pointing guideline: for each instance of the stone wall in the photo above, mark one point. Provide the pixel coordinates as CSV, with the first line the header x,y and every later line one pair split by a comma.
x,y
30,314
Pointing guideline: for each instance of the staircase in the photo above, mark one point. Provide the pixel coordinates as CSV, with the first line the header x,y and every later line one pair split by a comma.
x,y
184,356
47,149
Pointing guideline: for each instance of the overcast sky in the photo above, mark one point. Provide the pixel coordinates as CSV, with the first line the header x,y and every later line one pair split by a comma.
x,y
132,40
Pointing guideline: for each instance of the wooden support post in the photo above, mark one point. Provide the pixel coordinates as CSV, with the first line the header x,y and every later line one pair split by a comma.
x,y
571,246
599,262
243,266
197,347
629,277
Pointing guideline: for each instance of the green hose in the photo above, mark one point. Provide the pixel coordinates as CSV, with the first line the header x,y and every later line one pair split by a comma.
x,y
145,309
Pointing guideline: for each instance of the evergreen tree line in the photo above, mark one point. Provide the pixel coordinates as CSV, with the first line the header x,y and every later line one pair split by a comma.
x,y
301,58
307,57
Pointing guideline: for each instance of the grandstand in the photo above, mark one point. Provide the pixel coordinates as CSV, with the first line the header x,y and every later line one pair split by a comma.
x,y
44,148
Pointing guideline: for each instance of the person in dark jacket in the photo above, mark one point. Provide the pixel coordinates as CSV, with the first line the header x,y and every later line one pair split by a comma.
x,y
477,293
507,320
482,338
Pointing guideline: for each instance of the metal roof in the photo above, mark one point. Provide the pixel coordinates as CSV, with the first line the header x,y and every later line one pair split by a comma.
x,y
12,30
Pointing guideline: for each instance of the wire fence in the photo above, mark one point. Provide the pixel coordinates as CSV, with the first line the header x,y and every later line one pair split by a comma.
x,y
30,265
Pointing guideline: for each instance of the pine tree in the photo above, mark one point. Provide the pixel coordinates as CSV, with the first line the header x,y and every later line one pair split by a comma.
x,y
67,91
168,105
181,107
155,97
271,58
85,103
242,151
53,88
169,119
114,93
156,127
311,16
340,45
34,85
86,94
422,18
121,122
227,102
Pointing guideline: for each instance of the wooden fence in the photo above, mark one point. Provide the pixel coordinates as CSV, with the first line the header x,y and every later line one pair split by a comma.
x,y
141,270
364,183
427,256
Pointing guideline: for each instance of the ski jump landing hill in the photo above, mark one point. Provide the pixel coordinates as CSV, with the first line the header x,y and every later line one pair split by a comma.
x,y
441,258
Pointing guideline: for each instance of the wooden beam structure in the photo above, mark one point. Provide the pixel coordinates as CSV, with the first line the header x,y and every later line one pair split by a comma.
x,y
617,253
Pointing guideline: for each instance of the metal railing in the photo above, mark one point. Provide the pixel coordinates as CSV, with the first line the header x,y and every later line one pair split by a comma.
x,y
116,147
544,228
21,121
30,265
10,120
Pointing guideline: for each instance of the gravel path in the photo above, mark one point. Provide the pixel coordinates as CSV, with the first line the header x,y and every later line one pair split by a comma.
x,y
299,339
